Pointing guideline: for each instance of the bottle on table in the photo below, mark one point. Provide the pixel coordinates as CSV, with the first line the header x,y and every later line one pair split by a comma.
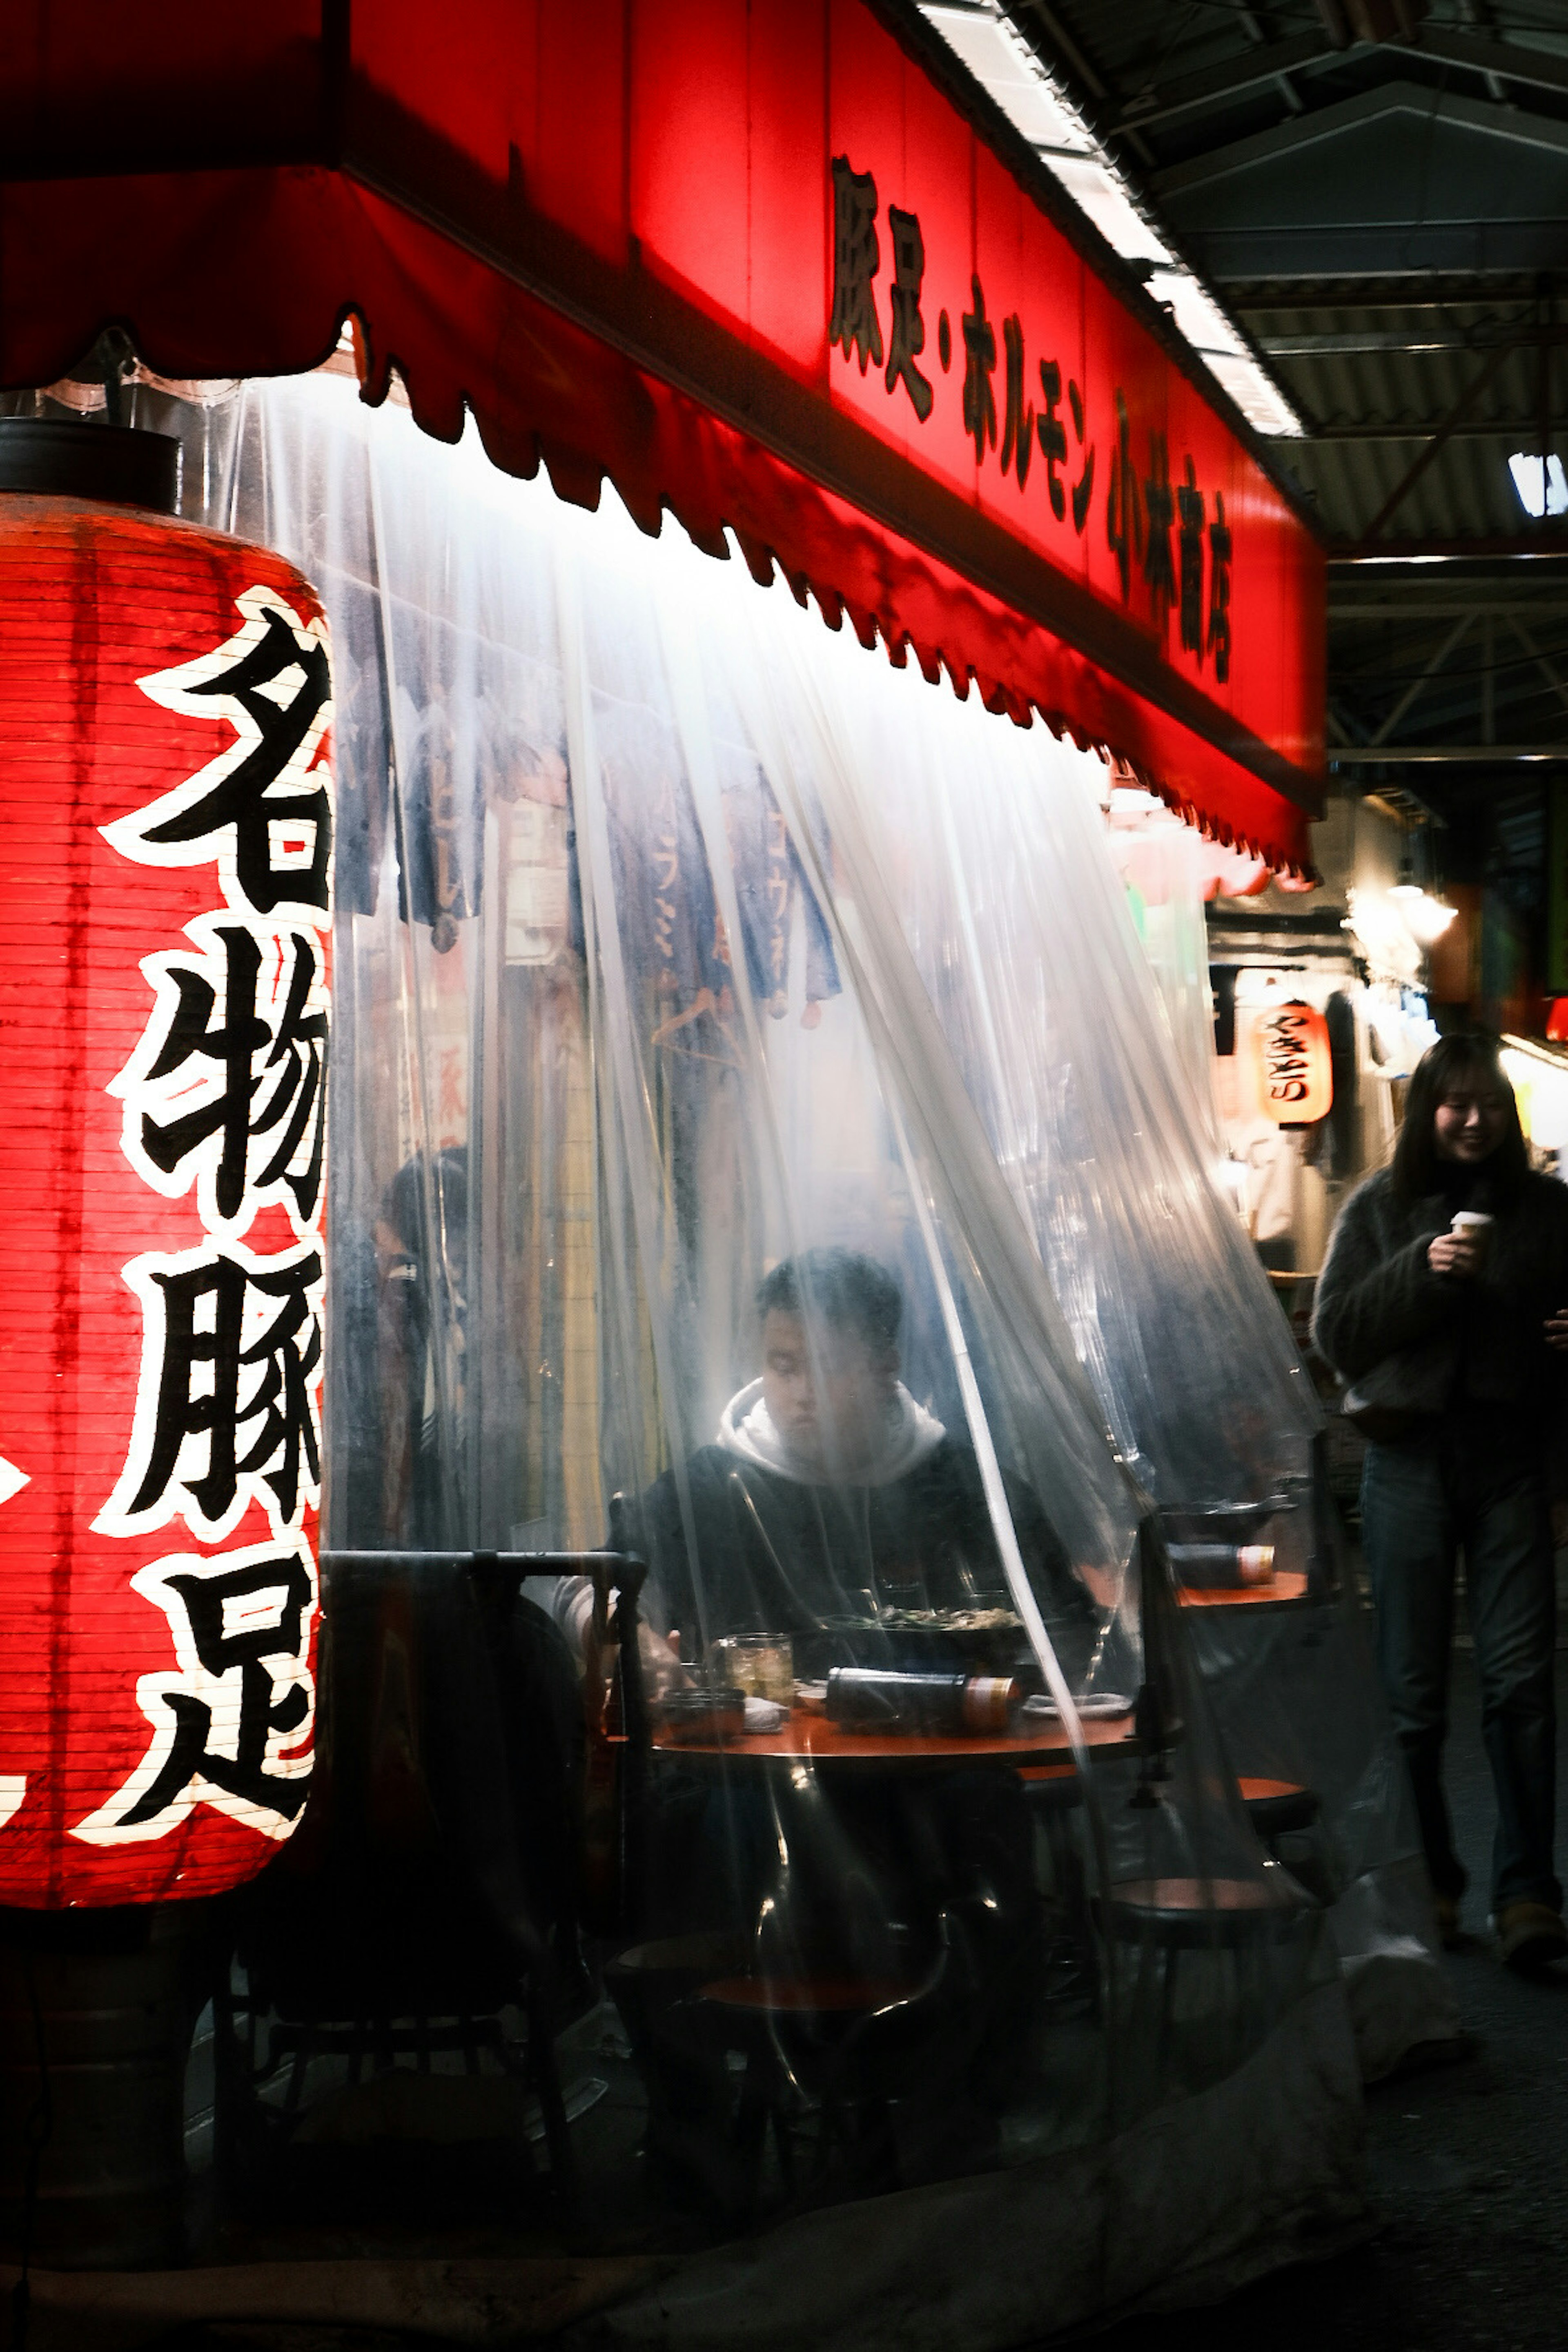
x,y
876,1698
1217,1565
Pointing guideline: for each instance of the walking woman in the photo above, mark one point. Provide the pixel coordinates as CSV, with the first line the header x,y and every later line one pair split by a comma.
x,y
1441,1305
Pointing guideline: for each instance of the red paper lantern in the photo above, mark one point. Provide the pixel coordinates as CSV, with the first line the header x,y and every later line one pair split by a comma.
x,y
1557,1020
165,859
1295,1067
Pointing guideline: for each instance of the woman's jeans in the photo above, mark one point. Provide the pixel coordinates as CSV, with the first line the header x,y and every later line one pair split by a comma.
x,y
1469,1482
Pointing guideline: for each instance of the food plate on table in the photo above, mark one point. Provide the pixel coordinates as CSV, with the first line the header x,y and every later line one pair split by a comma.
x,y
950,1621
989,1639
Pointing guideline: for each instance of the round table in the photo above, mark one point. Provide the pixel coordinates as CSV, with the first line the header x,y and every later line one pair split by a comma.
x,y
1037,1747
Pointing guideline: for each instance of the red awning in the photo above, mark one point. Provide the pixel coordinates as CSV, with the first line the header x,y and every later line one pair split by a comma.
x,y
249,271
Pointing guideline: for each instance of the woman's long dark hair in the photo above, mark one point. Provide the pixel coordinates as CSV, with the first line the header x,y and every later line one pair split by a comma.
x,y
1467,1058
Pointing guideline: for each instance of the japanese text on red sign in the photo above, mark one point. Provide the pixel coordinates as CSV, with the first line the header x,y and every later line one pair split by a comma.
x,y
1143,510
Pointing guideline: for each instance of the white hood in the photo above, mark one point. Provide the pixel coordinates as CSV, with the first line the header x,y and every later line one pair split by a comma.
x,y
746,1428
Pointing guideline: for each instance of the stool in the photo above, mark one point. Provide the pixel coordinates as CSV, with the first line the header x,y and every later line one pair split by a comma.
x,y
1191,1914
827,2039
1283,1808
653,1985
1275,1808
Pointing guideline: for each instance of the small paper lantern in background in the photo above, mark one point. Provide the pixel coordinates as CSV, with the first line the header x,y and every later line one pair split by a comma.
x,y
1295,1067
165,863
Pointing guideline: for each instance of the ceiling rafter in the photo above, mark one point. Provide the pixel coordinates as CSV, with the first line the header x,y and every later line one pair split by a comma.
x,y
1420,610
1543,541
1484,428
1547,668
1498,63
1508,61
1420,292
1434,447
1345,342
1516,124
1187,93
1475,755
1459,630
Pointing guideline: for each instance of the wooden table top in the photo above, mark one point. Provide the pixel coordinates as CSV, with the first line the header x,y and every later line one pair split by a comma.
x,y
807,1735
1282,1591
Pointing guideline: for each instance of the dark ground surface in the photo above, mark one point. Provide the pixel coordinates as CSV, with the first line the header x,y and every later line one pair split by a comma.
x,y
1469,2163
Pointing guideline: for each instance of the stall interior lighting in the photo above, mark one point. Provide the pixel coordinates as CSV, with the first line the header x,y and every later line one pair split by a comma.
x,y
1539,1077
1007,68
1527,478
1531,1049
1133,813
1426,918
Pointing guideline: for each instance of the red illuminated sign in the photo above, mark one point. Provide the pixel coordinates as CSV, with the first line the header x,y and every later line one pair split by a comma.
x,y
774,266
1294,1064
794,176
1158,532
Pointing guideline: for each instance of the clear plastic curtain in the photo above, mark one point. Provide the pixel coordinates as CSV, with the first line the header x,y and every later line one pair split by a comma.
x,y
1163,865
996,872
1296,1693
1089,1059
669,1204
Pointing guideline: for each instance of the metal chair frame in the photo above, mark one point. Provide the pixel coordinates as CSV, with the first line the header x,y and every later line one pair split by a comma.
x,y
497,1577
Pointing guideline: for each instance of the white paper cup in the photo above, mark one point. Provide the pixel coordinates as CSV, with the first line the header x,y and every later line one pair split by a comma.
x,y
1473,1226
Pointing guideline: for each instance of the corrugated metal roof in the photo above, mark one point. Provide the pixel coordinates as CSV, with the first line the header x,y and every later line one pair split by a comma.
x,y
1171,85
1468,495
1260,145
1372,410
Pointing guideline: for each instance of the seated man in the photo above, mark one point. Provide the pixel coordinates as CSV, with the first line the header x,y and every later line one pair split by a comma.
x,y
830,1493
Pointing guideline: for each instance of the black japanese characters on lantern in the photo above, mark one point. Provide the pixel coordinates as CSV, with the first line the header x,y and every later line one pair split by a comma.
x,y
1155,527
1083,489
236,1053
281,843
226,1094
241,1628
235,1341
1054,436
